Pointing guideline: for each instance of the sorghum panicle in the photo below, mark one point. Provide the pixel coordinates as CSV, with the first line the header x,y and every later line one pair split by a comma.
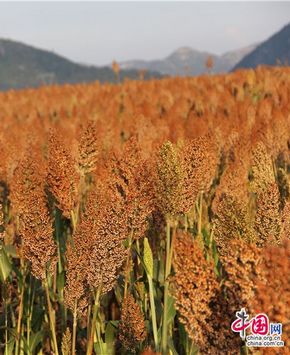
x,y
132,330
62,178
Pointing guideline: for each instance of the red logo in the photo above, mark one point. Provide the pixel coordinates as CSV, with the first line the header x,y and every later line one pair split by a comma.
x,y
259,324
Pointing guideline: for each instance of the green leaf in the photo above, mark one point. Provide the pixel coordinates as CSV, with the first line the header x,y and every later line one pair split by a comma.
x,y
148,258
115,323
5,264
110,336
171,312
24,346
159,269
11,251
171,347
35,340
101,348
60,281
206,237
9,347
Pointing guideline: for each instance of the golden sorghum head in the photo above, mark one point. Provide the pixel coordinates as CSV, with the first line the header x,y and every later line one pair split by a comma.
x,y
169,183
199,159
183,172
108,232
241,268
231,221
29,203
131,178
272,294
37,235
66,342
88,149
62,177
221,339
100,234
195,285
268,223
28,177
262,168
234,181
76,292
132,326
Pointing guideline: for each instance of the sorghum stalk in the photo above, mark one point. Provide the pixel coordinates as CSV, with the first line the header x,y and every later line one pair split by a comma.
x,y
94,320
185,223
168,265
54,280
51,317
88,322
30,309
171,247
20,313
166,287
191,350
153,311
138,250
63,311
73,220
127,276
200,215
6,317
149,269
74,329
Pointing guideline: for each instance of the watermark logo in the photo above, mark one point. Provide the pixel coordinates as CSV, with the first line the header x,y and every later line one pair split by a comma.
x,y
262,332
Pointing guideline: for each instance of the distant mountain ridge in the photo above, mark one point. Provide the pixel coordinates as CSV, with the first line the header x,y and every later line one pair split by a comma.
x,y
24,66
276,48
187,61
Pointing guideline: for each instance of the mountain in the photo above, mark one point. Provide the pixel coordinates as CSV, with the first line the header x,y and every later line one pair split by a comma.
x,y
187,61
274,50
25,66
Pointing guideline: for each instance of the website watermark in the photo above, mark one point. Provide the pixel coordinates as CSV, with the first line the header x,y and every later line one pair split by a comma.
x,y
263,333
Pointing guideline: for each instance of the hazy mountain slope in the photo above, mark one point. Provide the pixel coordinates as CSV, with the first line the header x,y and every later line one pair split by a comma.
x,y
277,47
25,66
229,59
187,61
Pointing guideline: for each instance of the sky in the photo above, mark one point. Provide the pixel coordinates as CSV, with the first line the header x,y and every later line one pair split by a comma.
x,y
99,32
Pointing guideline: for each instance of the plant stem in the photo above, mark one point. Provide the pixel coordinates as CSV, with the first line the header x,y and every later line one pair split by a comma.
x,y
19,320
74,330
88,322
4,296
138,251
169,251
30,309
200,215
127,277
191,348
153,311
20,313
93,325
63,311
51,317
185,223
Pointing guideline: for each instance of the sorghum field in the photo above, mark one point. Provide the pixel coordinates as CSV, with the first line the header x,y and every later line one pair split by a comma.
x,y
140,217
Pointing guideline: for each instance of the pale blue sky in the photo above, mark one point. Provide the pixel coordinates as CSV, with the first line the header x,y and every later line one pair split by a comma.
x,y
98,32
